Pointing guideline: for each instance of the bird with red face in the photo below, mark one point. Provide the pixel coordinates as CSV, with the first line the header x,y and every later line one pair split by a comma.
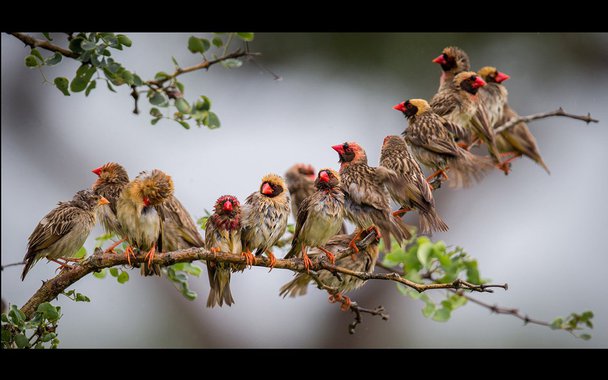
x,y
410,189
264,218
222,234
319,218
140,215
300,179
366,200
453,61
517,140
63,231
431,138
112,179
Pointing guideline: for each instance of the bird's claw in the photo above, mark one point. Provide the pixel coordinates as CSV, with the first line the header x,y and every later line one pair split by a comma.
x,y
249,258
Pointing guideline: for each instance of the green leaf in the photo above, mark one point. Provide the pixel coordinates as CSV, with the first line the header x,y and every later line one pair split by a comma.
x,y
82,298
31,61
48,337
182,105
49,311
232,63
123,277
472,272
47,36
202,222
175,61
428,309
4,318
198,45
424,252
183,124
158,99
82,252
88,45
127,76
180,86
585,336
101,274
99,240
124,40
217,42
556,324
155,112
189,294
442,315
587,315
189,268
74,45
21,341
154,121
245,36
110,87
54,59
62,84
114,272
161,75
137,80
6,335
82,78
213,121
37,54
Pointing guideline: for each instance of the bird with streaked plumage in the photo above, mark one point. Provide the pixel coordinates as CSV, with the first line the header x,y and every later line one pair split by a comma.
x,y
453,61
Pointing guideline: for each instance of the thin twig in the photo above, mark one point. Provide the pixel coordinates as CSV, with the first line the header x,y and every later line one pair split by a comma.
x,y
44,44
559,112
11,265
358,310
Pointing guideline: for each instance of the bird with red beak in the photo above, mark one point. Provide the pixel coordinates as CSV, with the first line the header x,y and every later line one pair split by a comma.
x,y
453,61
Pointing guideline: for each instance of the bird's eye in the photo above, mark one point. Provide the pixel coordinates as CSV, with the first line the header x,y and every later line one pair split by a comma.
x,y
445,56
345,146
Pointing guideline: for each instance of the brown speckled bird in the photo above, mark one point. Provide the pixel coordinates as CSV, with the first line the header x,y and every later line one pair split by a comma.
x,y
140,215
453,60
410,189
366,200
517,140
62,232
112,180
222,234
300,179
364,261
265,215
320,217
180,231
459,104
431,138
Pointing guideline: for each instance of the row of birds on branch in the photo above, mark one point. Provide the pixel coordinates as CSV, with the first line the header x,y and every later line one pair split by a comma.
x,y
145,213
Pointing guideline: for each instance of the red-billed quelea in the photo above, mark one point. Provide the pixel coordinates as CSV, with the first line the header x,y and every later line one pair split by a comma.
x,y
410,189
300,180
431,138
453,61
63,231
140,215
366,200
264,218
319,218
222,234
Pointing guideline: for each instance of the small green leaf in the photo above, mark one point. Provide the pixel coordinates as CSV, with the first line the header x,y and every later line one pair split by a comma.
x,y
49,311
88,45
4,318
137,80
21,341
154,121
82,298
6,335
180,86
82,78
54,59
217,42
424,252
101,274
99,240
123,277
213,121
428,309
74,45
556,324
110,87
202,222
183,124
198,45
585,336
189,294
127,76
175,61
182,105
232,63
31,61
17,316
47,36
37,54
161,75
158,99
48,337
62,84
245,36
82,252
442,315
587,315
155,112
114,272
124,40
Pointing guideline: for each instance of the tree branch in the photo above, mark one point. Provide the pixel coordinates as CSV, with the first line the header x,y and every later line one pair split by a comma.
x,y
559,112
33,42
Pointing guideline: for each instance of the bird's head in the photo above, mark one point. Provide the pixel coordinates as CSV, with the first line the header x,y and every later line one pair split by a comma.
x,y
272,185
307,170
392,141
492,75
469,81
413,107
154,187
227,205
327,179
453,59
88,200
350,152
111,173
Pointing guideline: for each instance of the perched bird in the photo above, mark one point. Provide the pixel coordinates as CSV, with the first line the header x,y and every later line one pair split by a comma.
x,y
222,234
140,215
320,217
460,105
366,201
431,138
179,229
300,179
517,139
265,215
410,189
112,179
453,60
365,261
61,233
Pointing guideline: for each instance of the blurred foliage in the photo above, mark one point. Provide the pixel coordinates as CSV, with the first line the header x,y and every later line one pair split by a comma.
x,y
95,52
38,332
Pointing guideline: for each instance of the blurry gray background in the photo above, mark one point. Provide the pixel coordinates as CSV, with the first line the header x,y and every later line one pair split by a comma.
x,y
542,234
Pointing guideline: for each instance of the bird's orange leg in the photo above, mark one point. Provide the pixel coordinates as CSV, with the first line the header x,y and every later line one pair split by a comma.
x,y
111,248
306,259
401,211
475,142
129,252
62,266
376,230
441,172
330,256
215,250
150,255
338,297
271,258
249,258
353,243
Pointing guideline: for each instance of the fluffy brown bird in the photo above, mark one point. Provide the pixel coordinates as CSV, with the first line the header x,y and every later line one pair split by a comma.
x,y
459,104
431,138
300,179
222,234
410,189
453,60
365,261
366,200
112,179
62,232
265,215
518,139
320,217
140,215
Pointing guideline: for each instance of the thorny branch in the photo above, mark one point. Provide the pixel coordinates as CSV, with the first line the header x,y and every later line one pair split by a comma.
x,y
33,42
559,112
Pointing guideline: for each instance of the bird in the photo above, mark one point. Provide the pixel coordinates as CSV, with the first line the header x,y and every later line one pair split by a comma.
x,y
366,200
63,231
410,189
179,230
222,234
265,213
365,261
493,95
453,60
320,217
431,138
459,104
518,139
140,215
300,180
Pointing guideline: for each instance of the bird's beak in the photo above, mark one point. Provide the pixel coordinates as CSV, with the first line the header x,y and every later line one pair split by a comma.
x,y
501,77
227,206
266,189
103,201
400,107
440,60
338,148
97,171
324,177
479,82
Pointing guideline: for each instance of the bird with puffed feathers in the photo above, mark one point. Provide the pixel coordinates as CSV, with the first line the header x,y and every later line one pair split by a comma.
x,y
453,61
300,180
